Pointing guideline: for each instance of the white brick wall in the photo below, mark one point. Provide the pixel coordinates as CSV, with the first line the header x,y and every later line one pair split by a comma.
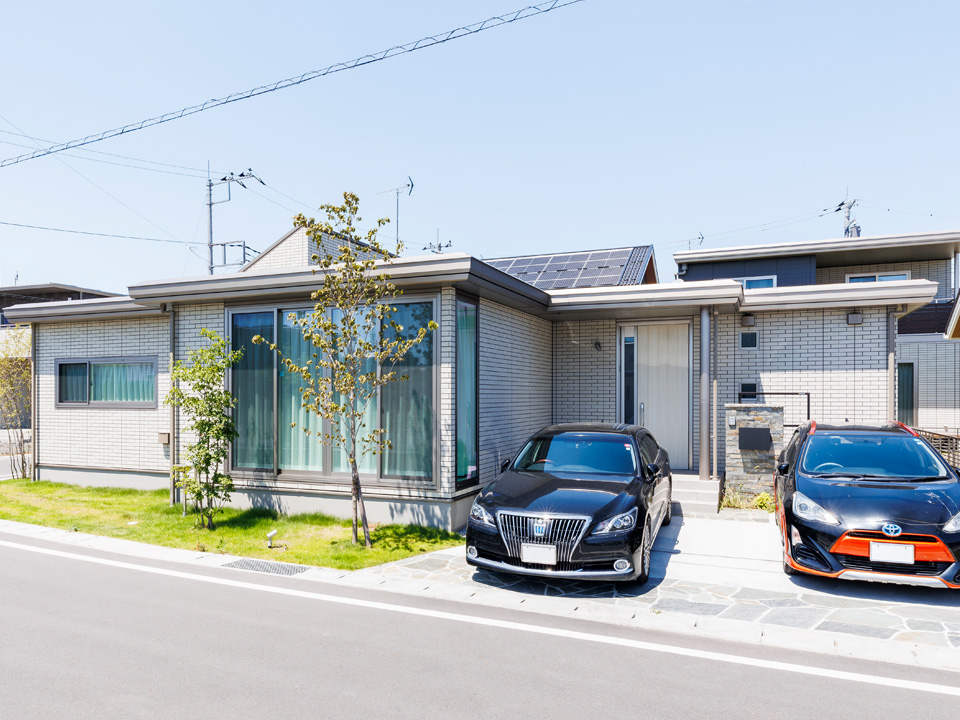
x,y
296,251
515,382
940,271
937,366
122,439
584,378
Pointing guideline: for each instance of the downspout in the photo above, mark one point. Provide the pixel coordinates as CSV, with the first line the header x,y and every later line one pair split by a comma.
x,y
172,313
892,364
716,362
703,461
34,394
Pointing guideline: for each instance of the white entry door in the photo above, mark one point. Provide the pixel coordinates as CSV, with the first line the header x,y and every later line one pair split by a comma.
x,y
655,385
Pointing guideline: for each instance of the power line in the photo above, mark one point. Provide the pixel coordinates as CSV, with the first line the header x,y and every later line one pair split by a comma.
x,y
110,154
111,162
425,42
97,234
910,211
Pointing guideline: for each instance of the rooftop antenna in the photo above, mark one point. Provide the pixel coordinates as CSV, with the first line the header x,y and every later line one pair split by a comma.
x,y
227,180
397,190
699,240
437,247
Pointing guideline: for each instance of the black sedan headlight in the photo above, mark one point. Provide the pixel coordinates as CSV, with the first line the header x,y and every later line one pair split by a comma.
x,y
479,514
807,509
623,521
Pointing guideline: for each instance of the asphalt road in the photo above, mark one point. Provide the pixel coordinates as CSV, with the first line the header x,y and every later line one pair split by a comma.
x,y
122,638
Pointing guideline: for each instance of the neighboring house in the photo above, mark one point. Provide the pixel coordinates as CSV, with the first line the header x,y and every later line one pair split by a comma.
x,y
522,343
48,292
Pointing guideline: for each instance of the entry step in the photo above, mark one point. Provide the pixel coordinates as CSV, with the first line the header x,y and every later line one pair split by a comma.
x,y
683,495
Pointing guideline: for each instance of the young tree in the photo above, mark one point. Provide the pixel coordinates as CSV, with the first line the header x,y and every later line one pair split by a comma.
x,y
354,339
208,404
15,393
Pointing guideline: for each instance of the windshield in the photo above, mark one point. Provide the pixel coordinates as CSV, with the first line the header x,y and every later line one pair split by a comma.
x,y
579,453
879,456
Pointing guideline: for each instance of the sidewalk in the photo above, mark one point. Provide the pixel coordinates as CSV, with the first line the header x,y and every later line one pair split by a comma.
x,y
713,576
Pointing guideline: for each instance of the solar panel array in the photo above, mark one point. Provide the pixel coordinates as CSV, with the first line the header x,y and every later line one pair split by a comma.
x,y
595,268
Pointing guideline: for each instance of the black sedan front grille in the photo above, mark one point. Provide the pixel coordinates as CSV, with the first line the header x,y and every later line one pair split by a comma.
x,y
923,567
563,531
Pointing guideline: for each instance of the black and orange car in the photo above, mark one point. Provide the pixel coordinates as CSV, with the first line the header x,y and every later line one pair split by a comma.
x,y
873,503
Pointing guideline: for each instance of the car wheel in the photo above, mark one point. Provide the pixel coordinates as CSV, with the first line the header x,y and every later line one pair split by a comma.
x,y
643,572
669,515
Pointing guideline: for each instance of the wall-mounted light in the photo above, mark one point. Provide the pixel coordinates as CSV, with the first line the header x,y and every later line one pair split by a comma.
x,y
747,320
855,318
597,346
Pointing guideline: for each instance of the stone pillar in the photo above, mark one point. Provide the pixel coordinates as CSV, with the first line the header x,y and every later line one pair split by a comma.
x,y
749,471
704,460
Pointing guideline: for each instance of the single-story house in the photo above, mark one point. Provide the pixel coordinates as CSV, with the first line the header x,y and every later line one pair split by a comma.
x,y
522,343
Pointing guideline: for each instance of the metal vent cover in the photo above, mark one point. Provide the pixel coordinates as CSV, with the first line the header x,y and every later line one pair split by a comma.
x,y
267,566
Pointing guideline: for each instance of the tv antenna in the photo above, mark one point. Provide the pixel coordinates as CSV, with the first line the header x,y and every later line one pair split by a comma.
x,y
396,191
227,180
437,247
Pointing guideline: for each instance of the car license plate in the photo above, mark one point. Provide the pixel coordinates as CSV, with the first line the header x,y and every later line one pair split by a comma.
x,y
892,553
539,554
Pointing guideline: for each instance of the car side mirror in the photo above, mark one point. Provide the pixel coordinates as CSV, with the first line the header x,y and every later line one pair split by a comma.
x,y
504,465
783,468
652,471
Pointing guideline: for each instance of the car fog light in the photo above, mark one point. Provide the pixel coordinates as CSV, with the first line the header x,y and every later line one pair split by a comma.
x,y
471,551
794,536
621,565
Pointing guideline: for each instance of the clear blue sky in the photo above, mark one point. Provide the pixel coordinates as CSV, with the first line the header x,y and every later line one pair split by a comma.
x,y
604,124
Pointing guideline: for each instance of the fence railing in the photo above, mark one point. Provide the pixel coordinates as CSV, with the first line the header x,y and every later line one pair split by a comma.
x,y
946,445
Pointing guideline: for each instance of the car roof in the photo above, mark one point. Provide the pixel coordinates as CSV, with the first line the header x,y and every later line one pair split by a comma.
x,y
887,427
612,428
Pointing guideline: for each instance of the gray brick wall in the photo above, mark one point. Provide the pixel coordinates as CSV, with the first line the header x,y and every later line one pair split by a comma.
x,y
123,439
515,382
584,378
939,271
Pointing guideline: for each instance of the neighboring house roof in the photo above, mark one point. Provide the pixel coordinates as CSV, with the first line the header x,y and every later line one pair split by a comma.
x,y
588,268
842,251
295,249
37,291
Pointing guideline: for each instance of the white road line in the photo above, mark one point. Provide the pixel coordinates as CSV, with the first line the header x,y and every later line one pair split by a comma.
x,y
509,625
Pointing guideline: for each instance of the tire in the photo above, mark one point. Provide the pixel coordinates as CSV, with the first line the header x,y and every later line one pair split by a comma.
x,y
646,548
668,517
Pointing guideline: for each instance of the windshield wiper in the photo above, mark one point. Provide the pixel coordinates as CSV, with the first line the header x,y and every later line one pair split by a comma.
x,y
883,478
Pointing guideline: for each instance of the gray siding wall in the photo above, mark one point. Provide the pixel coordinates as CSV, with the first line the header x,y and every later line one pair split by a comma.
x,y
584,378
295,251
515,382
937,370
940,271
118,439
789,270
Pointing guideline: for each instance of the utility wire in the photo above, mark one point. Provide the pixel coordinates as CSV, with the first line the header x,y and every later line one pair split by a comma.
x,y
97,234
910,211
425,42
112,162
203,171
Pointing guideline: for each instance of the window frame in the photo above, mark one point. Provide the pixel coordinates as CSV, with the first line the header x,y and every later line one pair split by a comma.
x,y
755,392
327,476
743,280
848,277
751,348
107,404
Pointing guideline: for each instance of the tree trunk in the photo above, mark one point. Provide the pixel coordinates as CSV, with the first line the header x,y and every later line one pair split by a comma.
x,y
363,509
354,493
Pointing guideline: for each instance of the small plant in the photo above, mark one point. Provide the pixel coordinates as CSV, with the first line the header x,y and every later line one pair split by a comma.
x,y
764,501
733,498
207,404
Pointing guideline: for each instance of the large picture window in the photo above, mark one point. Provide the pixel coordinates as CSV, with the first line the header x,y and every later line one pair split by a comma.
x,y
107,382
269,413
252,386
468,471
407,407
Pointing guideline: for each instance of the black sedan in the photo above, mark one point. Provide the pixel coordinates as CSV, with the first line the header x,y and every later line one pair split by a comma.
x,y
871,503
580,501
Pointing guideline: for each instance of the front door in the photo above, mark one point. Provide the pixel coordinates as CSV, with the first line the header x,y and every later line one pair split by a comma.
x,y
655,385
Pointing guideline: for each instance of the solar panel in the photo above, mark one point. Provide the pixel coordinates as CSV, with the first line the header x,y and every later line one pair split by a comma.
x,y
591,268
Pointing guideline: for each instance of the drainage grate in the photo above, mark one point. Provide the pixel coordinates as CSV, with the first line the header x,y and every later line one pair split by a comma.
x,y
266,566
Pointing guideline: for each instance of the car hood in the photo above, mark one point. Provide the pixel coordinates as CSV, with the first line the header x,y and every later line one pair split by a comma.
x,y
919,506
541,492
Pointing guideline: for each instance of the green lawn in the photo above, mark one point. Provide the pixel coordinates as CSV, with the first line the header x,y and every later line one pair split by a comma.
x,y
145,516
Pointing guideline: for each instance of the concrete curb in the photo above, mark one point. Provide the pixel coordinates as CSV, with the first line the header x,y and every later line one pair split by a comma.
x,y
769,635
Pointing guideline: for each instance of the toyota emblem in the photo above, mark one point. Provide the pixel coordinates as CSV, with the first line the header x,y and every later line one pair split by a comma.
x,y
891,530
